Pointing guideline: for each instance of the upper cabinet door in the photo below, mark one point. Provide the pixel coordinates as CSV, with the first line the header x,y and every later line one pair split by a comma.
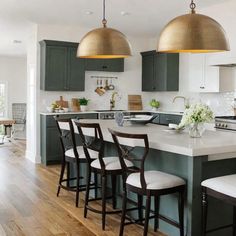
x,y
160,71
172,83
76,71
203,78
60,69
148,73
55,68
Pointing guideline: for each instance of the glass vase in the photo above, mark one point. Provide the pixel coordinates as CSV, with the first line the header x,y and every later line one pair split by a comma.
x,y
196,130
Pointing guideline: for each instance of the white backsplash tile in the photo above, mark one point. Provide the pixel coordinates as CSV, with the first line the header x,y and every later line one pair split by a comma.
x,y
221,103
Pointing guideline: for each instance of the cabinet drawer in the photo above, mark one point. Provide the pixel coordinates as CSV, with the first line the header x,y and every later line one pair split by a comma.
x,y
166,119
112,65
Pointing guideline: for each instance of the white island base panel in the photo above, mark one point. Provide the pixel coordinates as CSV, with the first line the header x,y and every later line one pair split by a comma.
x,y
214,144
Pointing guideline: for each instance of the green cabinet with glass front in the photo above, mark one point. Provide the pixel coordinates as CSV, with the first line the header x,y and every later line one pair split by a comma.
x,y
60,69
160,71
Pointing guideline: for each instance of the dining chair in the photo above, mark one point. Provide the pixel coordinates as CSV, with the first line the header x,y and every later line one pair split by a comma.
x,y
146,183
72,155
222,188
92,139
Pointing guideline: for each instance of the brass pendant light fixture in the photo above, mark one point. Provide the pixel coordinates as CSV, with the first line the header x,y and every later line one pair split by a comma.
x,y
104,43
193,33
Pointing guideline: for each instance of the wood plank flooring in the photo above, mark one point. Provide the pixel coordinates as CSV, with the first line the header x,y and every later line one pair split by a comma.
x,y
29,206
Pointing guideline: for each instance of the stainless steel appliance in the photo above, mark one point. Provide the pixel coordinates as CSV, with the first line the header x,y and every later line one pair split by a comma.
x,y
225,122
110,114
107,114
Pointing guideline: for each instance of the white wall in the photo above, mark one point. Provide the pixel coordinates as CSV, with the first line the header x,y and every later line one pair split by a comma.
x,y
13,71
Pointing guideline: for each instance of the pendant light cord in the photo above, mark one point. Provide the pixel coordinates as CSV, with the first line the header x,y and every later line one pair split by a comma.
x,y
104,21
192,6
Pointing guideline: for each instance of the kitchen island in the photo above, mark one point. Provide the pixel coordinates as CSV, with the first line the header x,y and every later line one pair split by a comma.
x,y
192,159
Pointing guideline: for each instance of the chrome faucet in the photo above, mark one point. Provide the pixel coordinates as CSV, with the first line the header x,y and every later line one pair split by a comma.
x,y
186,101
112,100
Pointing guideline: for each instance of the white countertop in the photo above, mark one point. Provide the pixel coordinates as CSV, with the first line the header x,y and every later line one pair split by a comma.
x,y
213,143
89,112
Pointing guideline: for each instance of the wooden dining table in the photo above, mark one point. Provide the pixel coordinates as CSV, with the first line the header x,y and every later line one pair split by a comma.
x,y
7,122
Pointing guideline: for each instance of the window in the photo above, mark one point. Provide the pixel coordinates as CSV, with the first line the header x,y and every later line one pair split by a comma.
x,y
3,99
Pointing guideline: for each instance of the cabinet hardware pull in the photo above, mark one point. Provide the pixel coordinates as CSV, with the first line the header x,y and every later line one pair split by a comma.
x,y
202,87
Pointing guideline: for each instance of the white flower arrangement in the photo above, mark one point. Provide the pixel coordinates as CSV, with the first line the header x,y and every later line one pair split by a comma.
x,y
196,113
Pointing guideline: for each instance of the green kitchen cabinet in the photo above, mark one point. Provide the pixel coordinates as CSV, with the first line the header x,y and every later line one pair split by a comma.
x,y
166,119
50,146
60,69
160,71
111,65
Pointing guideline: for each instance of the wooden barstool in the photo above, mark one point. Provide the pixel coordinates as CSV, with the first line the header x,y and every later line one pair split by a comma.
x,y
92,139
72,154
146,183
222,188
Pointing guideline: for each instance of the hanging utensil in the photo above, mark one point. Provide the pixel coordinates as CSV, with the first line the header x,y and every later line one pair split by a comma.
x,y
111,86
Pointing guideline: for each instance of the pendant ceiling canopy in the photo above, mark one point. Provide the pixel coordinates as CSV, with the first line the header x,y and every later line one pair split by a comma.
x,y
194,33
104,42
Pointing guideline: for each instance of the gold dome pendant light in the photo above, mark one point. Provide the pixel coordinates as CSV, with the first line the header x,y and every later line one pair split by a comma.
x,y
104,43
194,33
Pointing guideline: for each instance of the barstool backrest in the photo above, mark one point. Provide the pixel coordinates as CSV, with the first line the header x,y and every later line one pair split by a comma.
x,y
67,135
122,141
92,138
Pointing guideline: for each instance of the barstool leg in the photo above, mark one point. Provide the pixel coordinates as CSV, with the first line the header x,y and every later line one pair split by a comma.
x,y
104,184
147,214
61,177
181,212
77,185
140,207
204,211
68,174
234,221
113,180
96,184
87,191
157,205
122,223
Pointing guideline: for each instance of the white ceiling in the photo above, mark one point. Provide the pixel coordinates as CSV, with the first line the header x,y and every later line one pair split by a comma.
x,y
145,17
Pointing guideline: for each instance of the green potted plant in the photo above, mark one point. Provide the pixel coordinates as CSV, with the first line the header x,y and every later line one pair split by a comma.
x,y
154,104
83,103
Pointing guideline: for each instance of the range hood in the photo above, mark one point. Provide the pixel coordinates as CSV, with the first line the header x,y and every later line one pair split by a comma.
x,y
225,62
226,65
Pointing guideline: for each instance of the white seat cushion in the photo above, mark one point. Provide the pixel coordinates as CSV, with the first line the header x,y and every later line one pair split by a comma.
x,y
111,163
224,184
155,180
80,150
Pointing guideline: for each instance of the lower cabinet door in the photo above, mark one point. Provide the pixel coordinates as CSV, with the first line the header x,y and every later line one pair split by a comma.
x,y
166,119
54,151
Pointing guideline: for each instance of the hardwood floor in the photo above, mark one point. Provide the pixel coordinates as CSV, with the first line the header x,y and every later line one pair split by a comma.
x,y
29,206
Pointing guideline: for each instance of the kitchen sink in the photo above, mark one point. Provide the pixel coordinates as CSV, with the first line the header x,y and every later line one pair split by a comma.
x,y
108,110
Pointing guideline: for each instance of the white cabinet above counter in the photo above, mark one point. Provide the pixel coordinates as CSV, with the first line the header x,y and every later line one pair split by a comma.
x,y
206,78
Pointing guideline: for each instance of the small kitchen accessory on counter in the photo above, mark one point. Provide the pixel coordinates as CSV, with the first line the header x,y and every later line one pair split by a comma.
x,y
135,102
75,104
62,103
